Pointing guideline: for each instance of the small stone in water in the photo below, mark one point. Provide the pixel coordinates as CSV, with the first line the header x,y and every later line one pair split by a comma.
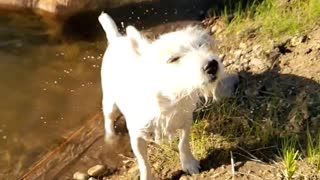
x,y
96,170
80,176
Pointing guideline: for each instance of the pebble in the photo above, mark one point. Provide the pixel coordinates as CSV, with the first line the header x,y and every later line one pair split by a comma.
x,y
242,45
213,29
257,49
96,170
92,178
295,41
222,56
238,53
257,62
80,176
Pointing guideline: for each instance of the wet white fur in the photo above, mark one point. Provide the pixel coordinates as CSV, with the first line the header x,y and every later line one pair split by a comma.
x,y
157,98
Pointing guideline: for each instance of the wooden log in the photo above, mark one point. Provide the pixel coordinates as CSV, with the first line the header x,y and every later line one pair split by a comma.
x,y
59,158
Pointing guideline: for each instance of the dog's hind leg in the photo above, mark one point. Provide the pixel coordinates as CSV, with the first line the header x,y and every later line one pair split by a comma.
x,y
188,162
139,148
109,108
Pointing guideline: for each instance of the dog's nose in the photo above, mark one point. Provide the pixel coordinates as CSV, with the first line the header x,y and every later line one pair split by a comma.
x,y
211,67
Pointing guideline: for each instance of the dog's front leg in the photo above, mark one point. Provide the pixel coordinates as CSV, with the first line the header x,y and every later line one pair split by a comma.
x,y
139,147
110,109
188,162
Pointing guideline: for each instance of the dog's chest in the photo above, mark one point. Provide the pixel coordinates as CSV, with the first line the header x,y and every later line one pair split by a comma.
x,y
173,117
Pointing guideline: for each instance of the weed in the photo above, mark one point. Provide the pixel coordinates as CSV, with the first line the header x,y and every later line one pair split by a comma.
x,y
313,150
290,156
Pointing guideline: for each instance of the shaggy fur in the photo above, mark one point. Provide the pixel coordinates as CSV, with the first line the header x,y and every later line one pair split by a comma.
x,y
156,86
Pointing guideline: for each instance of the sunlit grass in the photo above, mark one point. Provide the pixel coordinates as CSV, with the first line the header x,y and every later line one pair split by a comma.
x,y
290,156
313,150
271,19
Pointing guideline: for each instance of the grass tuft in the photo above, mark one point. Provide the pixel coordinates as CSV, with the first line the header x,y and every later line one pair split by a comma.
x,y
313,150
290,156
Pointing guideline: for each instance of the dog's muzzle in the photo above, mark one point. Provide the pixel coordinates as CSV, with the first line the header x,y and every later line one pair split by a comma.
x,y
211,68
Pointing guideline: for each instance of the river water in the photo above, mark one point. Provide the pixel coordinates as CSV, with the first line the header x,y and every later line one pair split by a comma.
x,y
48,88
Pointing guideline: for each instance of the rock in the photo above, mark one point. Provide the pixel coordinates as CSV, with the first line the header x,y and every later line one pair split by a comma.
x,y
274,55
97,170
295,41
246,61
213,29
257,49
222,56
92,178
242,45
257,63
80,176
238,53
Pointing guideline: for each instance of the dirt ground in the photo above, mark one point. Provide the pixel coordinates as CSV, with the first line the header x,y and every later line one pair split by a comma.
x,y
291,69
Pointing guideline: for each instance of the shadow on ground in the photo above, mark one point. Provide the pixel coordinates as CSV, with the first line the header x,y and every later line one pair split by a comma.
x,y
268,107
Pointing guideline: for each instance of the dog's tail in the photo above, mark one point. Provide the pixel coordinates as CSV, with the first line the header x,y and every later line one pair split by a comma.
x,y
109,26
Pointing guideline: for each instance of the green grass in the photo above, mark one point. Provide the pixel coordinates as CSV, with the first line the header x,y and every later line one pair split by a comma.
x,y
290,156
270,19
313,150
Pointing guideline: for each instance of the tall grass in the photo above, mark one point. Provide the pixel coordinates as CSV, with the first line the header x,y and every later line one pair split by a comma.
x,y
272,18
313,150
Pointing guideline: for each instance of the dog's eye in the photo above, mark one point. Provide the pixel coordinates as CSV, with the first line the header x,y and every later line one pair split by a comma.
x,y
173,59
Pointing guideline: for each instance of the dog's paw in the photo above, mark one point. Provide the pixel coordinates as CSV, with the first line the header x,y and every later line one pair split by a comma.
x,y
191,167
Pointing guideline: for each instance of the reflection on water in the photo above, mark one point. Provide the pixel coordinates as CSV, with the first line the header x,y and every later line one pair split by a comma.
x,y
47,89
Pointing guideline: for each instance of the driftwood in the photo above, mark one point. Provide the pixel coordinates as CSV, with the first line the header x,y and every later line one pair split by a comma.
x,y
59,158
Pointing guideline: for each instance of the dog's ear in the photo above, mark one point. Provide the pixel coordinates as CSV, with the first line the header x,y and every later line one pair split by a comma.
x,y
137,41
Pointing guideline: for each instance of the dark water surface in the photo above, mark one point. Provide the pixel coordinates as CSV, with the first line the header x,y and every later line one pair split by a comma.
x,y
48,88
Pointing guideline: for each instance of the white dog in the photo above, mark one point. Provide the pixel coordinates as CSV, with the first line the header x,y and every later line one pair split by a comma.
x,y
156,86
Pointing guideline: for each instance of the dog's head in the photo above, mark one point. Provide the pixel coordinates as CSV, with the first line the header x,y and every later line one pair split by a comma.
x,y
183,61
